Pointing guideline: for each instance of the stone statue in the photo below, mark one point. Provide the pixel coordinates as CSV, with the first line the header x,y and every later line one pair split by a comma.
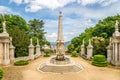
x,y
31,41
83,42
116,25
37,41
4,26
89,42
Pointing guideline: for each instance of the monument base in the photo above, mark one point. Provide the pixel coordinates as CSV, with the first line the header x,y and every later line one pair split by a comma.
x,y
60,66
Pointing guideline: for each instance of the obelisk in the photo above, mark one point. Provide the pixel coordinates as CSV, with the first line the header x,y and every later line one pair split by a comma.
x,y
60,42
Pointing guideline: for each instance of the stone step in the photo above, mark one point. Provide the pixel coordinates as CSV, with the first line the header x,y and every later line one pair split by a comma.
x,y
59,69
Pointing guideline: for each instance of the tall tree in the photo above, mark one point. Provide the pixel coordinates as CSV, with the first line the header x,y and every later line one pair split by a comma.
x,y
37,29
17,28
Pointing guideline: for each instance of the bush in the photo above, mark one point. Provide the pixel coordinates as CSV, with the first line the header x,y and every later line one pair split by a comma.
x,y
99,60
74,54
1,73
47,53
21,63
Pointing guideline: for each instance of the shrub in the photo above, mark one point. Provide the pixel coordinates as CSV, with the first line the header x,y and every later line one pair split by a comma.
x,y
74,54
21,63
1,73
47,53
99,60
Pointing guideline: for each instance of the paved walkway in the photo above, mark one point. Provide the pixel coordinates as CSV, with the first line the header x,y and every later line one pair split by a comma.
x,y
30,72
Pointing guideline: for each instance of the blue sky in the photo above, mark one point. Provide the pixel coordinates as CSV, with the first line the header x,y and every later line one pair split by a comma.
x,y
77,14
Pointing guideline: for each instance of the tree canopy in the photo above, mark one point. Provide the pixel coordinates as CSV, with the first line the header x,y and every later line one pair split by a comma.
x,y
103,30
21,32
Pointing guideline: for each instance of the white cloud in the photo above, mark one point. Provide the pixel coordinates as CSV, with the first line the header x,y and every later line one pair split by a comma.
x,y
4,9
71,28
36,5
107,2
51,37
33,8
86,2
17,1
40,4
7,10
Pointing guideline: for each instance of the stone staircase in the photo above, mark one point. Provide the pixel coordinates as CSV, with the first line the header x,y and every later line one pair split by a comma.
x,y
61,69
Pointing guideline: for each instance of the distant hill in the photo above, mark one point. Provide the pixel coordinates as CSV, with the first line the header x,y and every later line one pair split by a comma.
x,y
66,43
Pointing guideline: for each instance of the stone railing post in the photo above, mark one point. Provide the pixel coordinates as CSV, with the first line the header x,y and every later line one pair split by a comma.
x,y
12,51
38,49
31,50
89,50
109,52
82,49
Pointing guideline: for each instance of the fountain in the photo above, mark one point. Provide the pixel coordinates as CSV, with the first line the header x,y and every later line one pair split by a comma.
x,y
60,63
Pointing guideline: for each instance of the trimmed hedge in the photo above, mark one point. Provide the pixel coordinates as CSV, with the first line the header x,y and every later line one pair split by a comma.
x,y
74,54
21,63
1,73
47,53
99,60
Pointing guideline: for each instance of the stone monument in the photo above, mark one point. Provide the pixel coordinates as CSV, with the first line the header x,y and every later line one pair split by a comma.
x,y
31,50
60,42
83,48
6,47
113,50
60,63
89,50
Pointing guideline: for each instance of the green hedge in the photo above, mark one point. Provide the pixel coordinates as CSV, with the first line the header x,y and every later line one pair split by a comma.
x,y
47,53
99,60
74,54
1,73
21,63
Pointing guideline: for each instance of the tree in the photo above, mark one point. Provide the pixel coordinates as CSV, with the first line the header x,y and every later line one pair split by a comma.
x,y
70,48
37,30
20,41
17,28
99,44
103,29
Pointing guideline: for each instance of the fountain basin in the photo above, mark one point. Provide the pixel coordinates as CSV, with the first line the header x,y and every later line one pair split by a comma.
x,y
60,62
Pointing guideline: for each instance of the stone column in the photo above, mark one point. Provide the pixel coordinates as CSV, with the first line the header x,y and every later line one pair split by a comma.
x,y
89,50
6,55
113,52
82,49
116,52
1,53
109,53
38,49
31,50
12,51
119,52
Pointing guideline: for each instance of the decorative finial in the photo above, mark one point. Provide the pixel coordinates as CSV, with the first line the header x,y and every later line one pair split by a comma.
x,y
83,41
89,41
60,13
31,41
4,25
110,40
37,41
116,26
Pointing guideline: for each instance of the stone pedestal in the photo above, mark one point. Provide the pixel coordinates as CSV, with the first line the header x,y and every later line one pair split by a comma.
x,y
109,53
82,49
89,50
12,50
38,50
31,52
